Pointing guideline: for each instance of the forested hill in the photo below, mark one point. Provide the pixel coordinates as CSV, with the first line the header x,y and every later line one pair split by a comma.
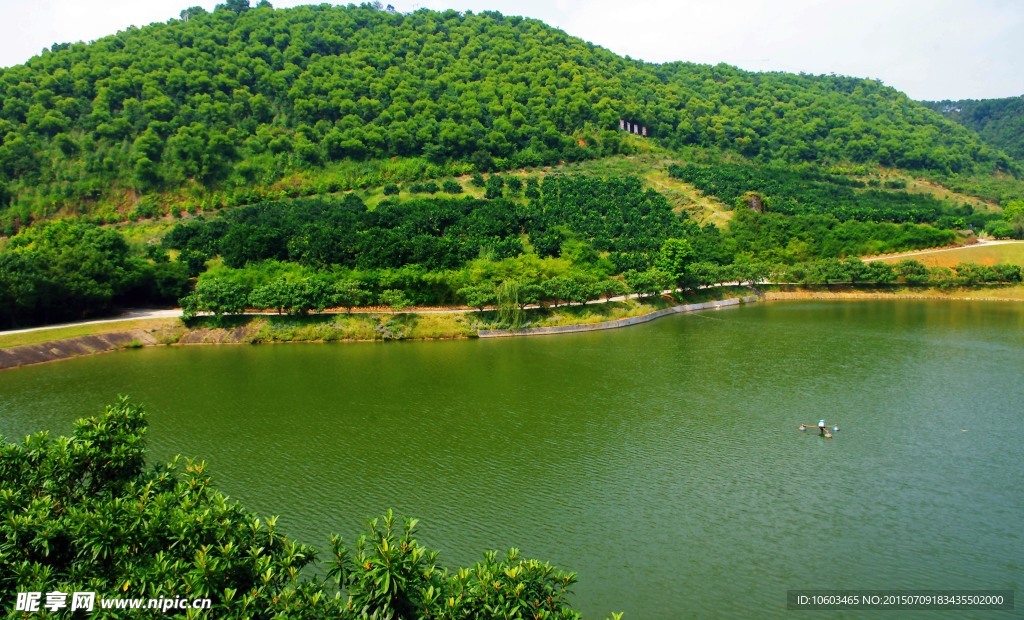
x,y
1000,122
240,98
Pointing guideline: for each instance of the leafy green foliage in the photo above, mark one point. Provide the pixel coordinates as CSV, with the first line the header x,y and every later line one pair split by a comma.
x,y
675,258
71,269
82,513
999,122
648,283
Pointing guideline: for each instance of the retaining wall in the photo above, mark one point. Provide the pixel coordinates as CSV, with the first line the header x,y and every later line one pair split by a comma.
x,y
13,357
633,320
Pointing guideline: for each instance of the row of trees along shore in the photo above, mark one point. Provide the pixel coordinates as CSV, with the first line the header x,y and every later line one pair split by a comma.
x,y
300,295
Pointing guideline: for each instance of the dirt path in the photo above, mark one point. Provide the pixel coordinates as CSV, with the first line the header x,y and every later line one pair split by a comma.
x,y
132,315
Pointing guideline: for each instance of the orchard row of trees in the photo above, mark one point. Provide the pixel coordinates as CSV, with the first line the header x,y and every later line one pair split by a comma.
x,y
224,294
614,223
85,513
798,191
581,214
236,99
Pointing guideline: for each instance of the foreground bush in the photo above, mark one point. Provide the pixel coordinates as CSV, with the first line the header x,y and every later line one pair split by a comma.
x,y
84,514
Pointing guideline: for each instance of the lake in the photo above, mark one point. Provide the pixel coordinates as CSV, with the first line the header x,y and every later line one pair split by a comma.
x,y
662,462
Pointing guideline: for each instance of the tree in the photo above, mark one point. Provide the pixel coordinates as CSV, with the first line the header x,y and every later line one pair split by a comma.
x,y
276,295
880,272
69,494
395,299
532,188
647,283
236,6
507,300
191,12
912,271
312,293
494,187
676,255
856,270
515,185
217,296
1000,229
531,294
348,293
1013,214
69,269
610,287
704,274
478,295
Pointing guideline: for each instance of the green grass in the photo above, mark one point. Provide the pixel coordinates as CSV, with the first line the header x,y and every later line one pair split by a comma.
x,y
846,291
983,254
74,331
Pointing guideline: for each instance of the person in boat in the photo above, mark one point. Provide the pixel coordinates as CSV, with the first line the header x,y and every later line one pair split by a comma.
x,y
821,427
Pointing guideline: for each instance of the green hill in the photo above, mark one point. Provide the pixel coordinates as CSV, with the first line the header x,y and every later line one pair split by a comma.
x,y
253,104
1000,122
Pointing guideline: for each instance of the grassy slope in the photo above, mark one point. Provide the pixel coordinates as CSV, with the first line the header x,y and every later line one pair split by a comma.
x,y
984,254
74,331
841,292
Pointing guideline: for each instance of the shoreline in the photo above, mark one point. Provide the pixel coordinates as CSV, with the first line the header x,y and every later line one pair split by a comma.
x,y
92,344
852,293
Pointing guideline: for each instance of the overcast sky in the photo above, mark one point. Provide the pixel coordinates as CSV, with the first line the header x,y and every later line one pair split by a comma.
x,y
930,49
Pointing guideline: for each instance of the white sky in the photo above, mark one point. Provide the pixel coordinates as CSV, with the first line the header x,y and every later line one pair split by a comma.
x,y
930,49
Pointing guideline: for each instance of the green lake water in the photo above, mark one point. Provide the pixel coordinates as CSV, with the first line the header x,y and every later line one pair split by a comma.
x,y
661,462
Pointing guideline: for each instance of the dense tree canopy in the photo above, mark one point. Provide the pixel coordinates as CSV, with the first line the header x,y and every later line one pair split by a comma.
x,y
70,270
1000,122
239,98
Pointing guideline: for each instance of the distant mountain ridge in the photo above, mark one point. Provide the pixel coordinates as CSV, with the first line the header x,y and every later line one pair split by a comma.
x,y
1000,122
240,98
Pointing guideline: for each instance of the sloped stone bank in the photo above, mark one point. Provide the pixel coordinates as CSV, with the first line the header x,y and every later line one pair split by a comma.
x,y
13,357
635,320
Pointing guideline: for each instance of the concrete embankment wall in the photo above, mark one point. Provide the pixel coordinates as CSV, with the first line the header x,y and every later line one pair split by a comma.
x,y
634,320
72,347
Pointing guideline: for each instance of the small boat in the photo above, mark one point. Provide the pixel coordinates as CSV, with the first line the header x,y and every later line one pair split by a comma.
x,y
827,430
